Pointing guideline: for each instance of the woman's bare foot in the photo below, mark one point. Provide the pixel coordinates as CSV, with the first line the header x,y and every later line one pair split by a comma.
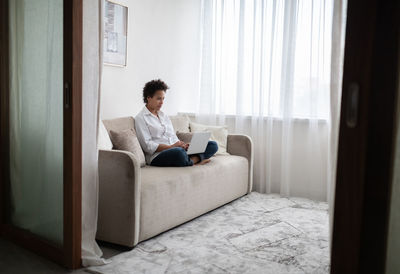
x,y
205,161
195,159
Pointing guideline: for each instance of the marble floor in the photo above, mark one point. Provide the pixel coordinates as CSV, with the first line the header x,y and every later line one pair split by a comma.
x,y
258,233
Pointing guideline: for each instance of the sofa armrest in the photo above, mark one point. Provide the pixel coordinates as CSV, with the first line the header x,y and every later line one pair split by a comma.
x,y
242,145
119,197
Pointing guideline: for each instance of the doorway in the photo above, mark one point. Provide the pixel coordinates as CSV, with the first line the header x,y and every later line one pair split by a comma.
x,y
41,82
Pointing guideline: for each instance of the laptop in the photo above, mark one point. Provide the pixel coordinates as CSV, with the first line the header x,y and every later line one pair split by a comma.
x,y
199,142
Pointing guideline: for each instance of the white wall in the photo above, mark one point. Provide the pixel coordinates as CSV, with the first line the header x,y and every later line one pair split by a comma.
x,y
163,42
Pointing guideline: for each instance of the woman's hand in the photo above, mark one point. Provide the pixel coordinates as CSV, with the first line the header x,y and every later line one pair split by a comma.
x,y
181,144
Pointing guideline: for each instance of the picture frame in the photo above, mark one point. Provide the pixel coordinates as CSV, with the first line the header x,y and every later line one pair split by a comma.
x,y
115,34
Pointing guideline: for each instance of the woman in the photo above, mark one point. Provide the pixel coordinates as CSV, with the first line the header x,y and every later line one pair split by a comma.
x,y
156,133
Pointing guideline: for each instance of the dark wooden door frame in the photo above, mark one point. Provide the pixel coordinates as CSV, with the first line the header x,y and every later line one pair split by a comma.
x,y
365,156
73,134
70,254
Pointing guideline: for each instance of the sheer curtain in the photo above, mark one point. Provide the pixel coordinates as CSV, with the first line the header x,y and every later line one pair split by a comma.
x,y
36,117
265,72
92,71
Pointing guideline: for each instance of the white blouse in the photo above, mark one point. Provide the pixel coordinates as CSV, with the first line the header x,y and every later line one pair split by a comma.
x,y
152,131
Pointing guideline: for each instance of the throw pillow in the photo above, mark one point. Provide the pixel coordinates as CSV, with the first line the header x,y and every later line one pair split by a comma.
x,y
184,136
218,134
180,123
127,140
104,141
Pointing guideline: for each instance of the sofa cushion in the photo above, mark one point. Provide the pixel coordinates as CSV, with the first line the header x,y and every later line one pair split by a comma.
x,y
173,195
126,140
118,124
180,123
219,134
185,136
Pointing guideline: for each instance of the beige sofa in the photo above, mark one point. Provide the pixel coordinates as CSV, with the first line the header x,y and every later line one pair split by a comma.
x,y
137,203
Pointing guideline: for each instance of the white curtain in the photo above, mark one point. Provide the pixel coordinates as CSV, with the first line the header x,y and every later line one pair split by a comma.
x,y
92,70
36,117
265,72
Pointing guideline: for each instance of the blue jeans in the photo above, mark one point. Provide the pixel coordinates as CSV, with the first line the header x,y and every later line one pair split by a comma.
x,y
177,156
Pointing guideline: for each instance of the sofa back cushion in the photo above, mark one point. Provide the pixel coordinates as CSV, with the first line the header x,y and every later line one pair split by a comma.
x,y
219,134
126,140
185,137
180,123
119,124
124,136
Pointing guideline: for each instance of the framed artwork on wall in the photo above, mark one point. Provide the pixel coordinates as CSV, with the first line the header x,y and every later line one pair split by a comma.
x,y
115,34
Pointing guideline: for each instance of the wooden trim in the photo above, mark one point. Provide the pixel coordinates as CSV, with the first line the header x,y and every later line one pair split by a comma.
x,y
381,138
366,151
352,142
73,134
4,112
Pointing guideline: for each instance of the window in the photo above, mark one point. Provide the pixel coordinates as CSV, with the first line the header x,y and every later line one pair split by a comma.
x,y
267,58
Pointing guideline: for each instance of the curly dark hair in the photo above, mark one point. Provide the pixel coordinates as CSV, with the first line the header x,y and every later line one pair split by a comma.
x,y
152,87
